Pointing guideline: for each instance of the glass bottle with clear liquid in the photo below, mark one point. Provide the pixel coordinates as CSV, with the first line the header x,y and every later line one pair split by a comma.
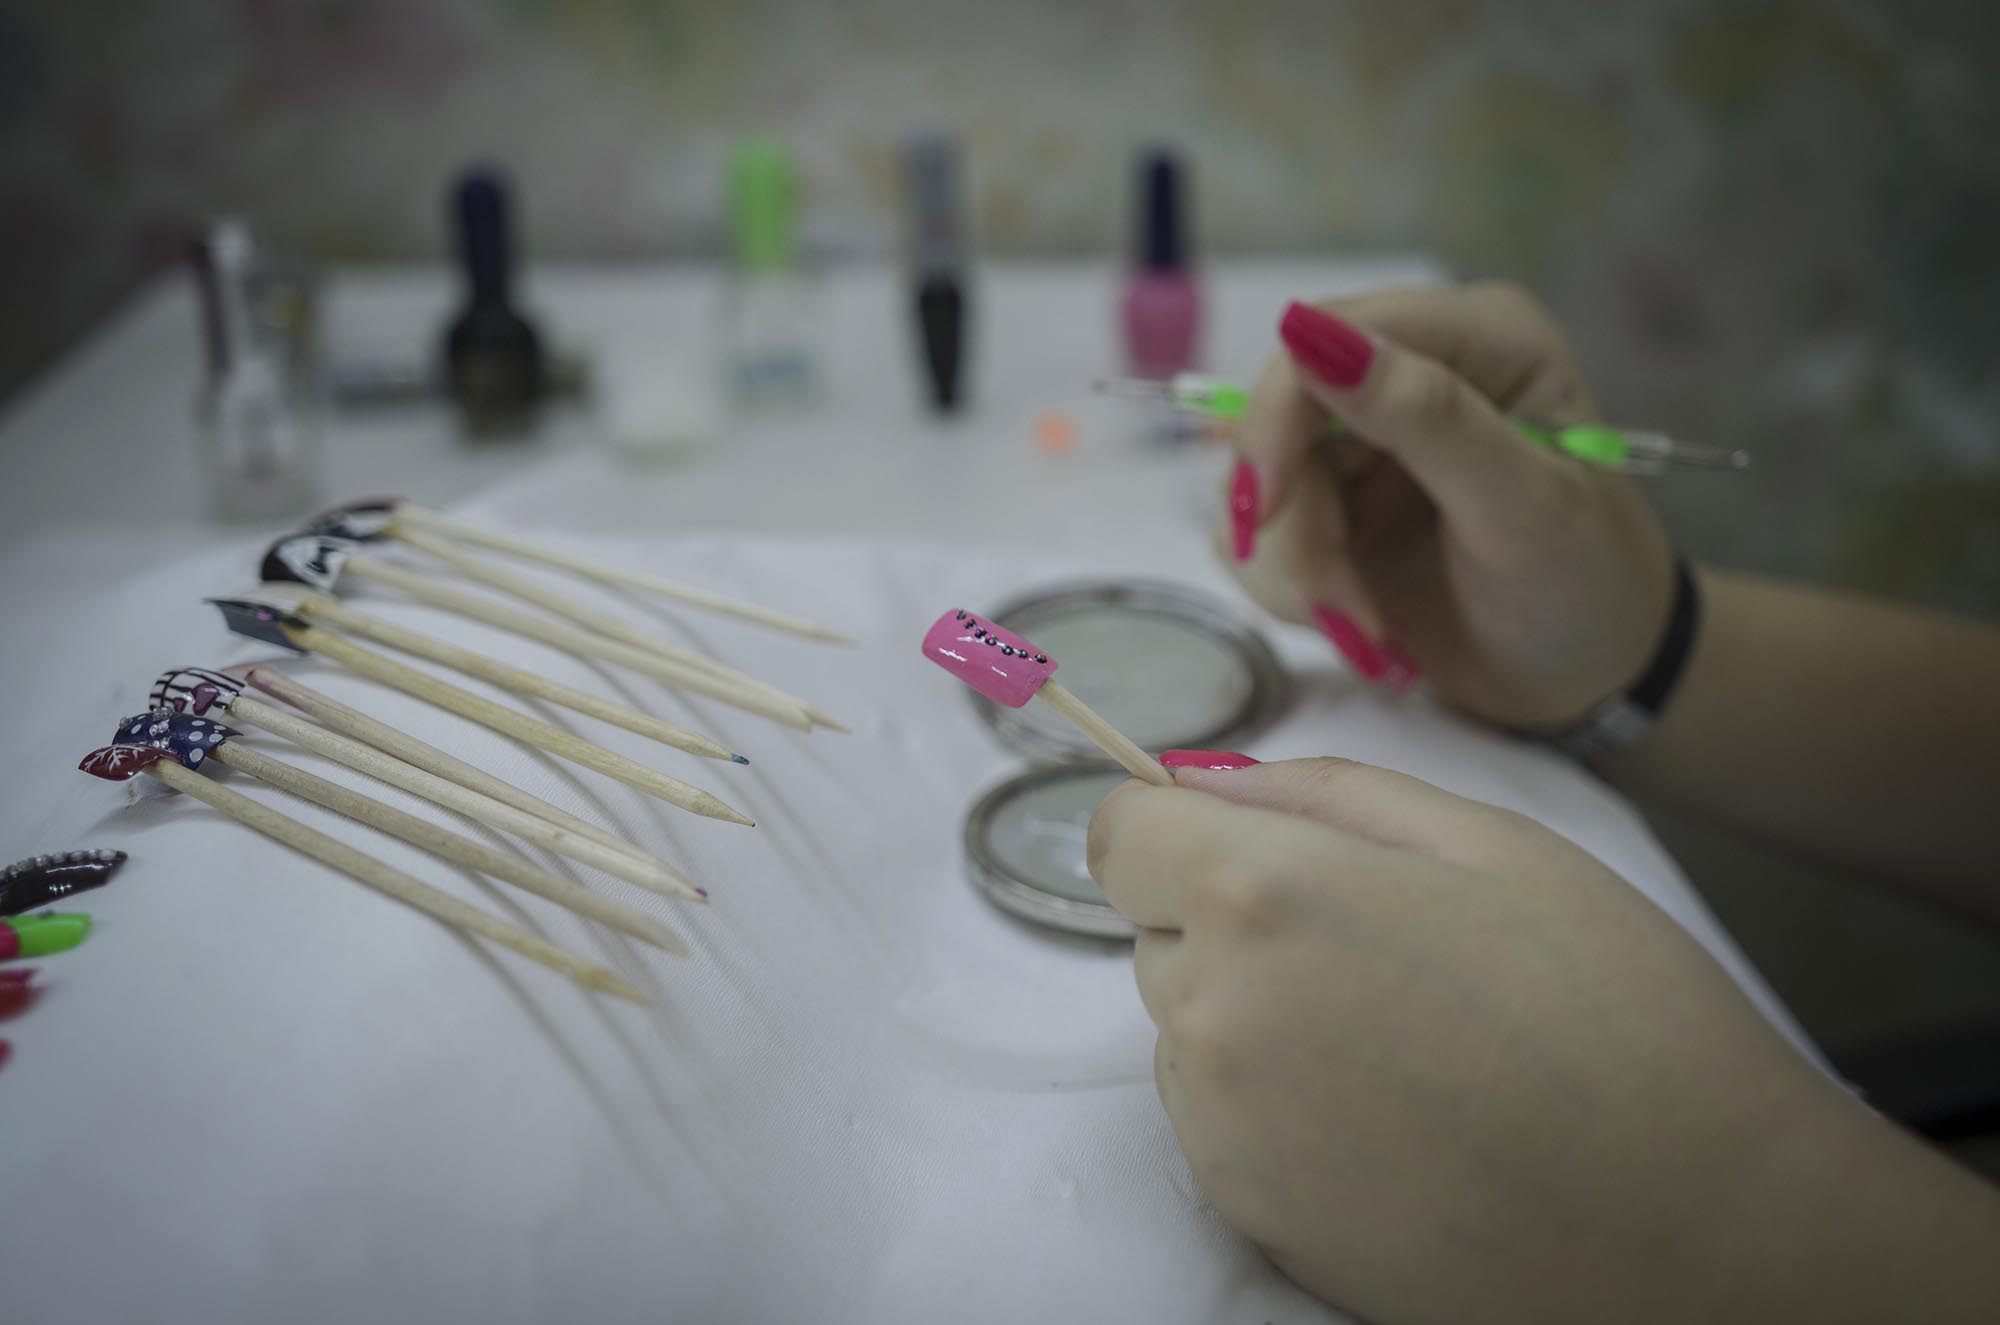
x,y
768,340
257,413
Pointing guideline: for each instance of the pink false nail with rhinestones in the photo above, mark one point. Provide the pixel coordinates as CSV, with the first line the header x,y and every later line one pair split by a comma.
x,y
1009,670
991,659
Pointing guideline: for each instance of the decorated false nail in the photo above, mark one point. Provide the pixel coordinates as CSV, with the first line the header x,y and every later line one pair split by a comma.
x,y
274,625
45,880
174,747
361,743
314,563
328,548
395,518
326,563
1009,670
16,996
420,833
43,935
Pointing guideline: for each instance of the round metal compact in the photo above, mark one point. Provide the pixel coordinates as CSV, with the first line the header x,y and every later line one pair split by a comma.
x,y
1169,667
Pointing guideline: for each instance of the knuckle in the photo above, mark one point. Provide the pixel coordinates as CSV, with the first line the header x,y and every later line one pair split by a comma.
x,y
1329,775
1245,900
1425,397
1510,297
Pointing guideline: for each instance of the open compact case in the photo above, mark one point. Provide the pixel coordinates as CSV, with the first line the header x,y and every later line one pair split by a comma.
x,y
1168,666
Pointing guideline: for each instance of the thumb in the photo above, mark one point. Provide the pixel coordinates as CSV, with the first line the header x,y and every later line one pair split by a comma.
x,y
1376,804
1450,438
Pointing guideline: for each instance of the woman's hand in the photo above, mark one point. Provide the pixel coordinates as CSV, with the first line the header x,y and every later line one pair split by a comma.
x,y
1443,1065
1429,534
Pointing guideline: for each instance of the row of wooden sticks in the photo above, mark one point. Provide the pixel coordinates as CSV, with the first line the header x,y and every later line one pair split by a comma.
x,y
183,731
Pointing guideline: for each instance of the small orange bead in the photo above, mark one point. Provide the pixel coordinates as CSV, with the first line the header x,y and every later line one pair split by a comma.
x,y
1055,432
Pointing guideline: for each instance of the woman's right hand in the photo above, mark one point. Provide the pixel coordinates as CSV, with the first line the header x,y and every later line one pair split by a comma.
x,y
1428,534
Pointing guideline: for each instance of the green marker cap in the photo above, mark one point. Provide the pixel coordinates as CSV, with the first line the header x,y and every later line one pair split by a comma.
x,y
762,204
45,934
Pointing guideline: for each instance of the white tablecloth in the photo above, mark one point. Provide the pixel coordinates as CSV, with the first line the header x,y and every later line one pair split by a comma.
x,y
261,1093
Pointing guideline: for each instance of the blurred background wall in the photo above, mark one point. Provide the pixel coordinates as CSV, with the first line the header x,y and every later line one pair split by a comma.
x,y
1766,222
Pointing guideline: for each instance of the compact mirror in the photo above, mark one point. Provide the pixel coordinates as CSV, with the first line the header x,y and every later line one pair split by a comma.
x,y
1169,667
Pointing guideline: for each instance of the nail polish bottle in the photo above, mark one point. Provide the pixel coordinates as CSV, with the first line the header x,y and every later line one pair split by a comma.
x,y
768,336
258,414
1162,302
937,266
494,365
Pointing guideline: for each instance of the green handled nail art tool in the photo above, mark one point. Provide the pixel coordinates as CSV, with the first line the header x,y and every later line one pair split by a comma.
x,y
1614,448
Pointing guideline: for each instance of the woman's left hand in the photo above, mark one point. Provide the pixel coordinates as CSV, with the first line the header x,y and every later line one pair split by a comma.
x,y
1441,1064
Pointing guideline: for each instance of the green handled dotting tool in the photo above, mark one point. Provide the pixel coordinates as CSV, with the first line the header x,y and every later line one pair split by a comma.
x,y
1622,449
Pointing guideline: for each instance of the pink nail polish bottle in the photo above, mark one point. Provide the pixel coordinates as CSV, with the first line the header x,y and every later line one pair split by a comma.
x,y
1162,303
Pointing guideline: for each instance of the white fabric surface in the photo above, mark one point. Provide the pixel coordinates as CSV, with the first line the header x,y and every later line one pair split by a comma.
x,y
259,1092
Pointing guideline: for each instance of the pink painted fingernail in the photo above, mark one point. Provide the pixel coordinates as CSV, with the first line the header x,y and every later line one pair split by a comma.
x,y
1243,509
1334,351
1353,643
1220,759
15,995
1404,671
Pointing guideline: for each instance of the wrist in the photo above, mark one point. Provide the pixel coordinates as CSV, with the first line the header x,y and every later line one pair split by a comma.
x,y
1627,716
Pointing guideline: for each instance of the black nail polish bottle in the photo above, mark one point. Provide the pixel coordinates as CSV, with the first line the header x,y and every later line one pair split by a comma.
x,y
937,260
494,365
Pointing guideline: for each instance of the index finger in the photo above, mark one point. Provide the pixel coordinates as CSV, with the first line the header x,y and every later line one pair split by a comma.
x,y
1493,335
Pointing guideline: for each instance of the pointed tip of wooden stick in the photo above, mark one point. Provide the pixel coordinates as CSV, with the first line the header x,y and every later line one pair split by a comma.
x,y
820,719
604,982
737,758
715,808
661,937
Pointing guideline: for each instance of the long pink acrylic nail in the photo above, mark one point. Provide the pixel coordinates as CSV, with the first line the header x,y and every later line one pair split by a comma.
x,y
1336,352
1353,643
1217,759
991,659
1243,509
